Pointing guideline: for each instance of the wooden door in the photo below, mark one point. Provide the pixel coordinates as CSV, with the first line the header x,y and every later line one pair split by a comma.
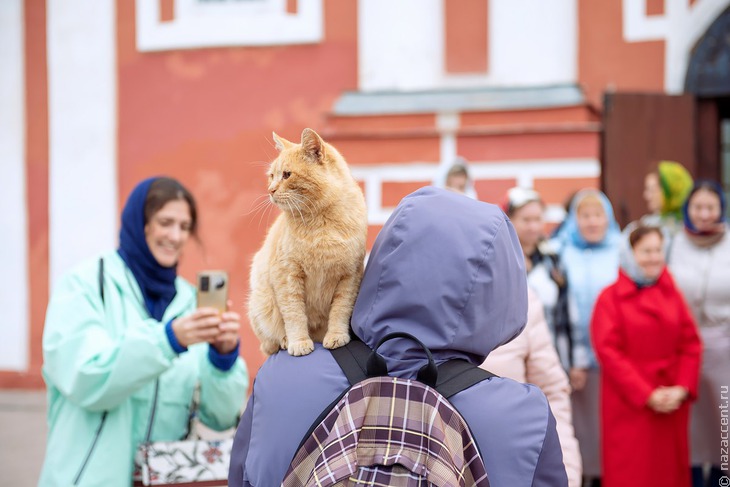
x,y
639,130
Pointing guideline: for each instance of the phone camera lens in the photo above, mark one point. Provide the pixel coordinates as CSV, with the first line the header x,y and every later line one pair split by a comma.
x,y
204,283
220,282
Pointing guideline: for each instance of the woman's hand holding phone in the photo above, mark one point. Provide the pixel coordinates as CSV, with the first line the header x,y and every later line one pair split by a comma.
x,y
211,326
227,338
202,325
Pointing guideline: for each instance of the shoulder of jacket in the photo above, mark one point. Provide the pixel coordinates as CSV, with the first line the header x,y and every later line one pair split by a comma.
x,y
85,272
526,395
306,366
527,404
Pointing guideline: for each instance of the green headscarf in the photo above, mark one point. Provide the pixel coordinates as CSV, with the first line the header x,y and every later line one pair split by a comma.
x,y
676,184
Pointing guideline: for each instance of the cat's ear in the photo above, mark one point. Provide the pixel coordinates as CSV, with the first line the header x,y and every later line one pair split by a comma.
x,y
313,145
280,143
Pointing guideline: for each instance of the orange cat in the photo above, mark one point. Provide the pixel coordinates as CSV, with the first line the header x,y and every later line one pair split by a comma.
x,y
305,277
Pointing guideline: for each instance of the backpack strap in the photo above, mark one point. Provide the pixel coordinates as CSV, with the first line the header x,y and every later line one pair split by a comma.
x,y
353,359
457,375
453,376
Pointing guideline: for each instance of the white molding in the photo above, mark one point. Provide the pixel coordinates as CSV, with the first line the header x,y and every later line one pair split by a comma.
x,y
82,131
401,45
691,28
681,26
211,24
447,124
14,286
525,172
638,26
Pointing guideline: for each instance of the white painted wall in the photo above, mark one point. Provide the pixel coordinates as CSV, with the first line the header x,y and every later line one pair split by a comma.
x,y
14,216
82,112
401,45
533,42
199,24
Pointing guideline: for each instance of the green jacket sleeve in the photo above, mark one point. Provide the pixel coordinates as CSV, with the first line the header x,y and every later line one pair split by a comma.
x,y
222,393
93,364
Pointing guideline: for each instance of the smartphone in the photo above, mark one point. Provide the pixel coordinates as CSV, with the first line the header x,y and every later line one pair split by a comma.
x,y
213,290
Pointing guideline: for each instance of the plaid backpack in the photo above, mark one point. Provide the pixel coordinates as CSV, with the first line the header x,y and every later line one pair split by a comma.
x,y
387,431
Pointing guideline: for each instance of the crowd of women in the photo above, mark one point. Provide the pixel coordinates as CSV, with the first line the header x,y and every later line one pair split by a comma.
x,y
640,320
628,335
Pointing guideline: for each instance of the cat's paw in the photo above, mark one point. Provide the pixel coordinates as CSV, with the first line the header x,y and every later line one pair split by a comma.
x,y
269,347
336,340
284,344
301,347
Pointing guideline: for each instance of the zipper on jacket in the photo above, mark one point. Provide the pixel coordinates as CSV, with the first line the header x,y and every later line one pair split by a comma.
x,y
93,445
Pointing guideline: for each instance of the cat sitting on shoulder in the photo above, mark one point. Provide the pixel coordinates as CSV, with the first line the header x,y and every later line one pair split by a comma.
x,y
305,277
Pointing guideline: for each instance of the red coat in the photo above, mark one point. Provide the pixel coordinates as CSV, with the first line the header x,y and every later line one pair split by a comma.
x,y
644,338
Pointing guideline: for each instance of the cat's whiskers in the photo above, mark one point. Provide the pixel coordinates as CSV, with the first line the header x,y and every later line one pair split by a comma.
x,y
303,200
266,212
288,205
298,203
293,207
263,208
300,214
258,204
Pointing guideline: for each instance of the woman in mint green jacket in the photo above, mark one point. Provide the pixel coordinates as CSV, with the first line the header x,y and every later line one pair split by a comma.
x,y
123,333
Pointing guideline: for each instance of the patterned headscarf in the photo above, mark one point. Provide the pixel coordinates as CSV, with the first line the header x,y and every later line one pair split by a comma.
x,y
676,184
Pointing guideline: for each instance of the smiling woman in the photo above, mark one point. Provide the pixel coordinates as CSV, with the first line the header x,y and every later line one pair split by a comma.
x,y
589,251
700,262
647,244
170,218
122,330
649,351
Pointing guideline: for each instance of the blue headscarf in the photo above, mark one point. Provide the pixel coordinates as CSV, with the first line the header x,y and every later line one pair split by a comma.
x,y
572,234
703,184
156,282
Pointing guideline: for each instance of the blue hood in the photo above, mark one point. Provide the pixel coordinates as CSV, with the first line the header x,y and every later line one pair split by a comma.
x,y
448,270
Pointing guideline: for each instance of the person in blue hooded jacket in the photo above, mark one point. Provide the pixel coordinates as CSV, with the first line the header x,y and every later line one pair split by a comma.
x,y
122,336
449,270
589,250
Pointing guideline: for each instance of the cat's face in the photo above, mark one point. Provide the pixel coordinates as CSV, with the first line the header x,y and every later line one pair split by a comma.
x,y
298,176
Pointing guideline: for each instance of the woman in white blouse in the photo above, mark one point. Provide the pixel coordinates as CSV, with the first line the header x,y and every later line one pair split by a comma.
x,y
700,263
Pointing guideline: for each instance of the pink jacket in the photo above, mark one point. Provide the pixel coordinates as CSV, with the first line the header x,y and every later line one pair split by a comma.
x,y
531,357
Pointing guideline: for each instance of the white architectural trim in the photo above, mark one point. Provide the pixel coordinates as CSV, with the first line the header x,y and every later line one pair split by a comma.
x,y
14,286
447,124
641,27
525,172
401,45
82,130
694,24
681,26
218,24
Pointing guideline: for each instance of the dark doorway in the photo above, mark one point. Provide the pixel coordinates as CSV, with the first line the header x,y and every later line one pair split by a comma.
x,y
708,78
640,129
